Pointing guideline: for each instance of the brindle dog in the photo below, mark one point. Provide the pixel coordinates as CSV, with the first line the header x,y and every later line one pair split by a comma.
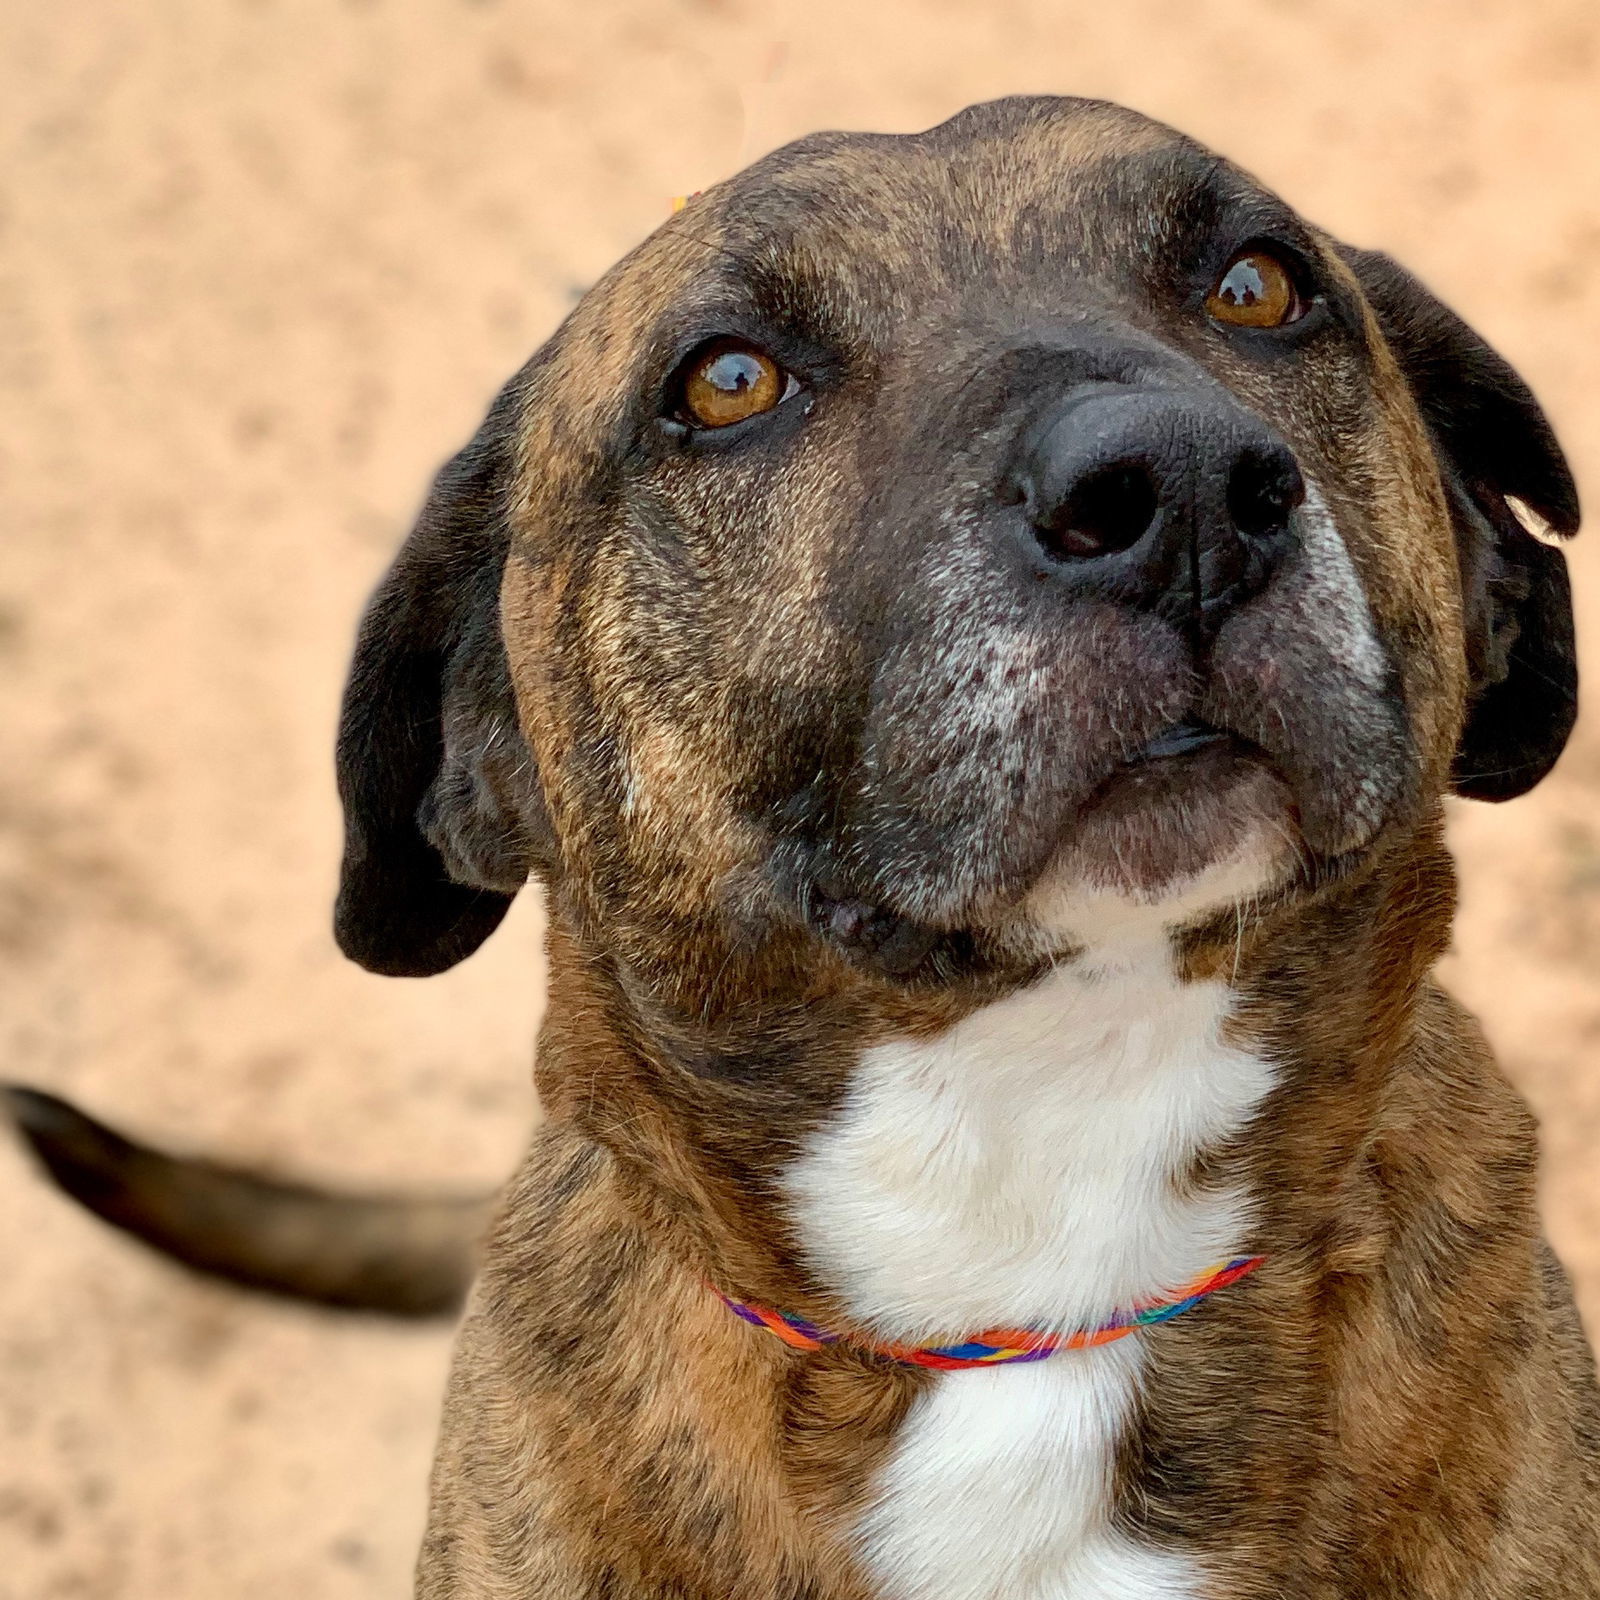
x,y
973,632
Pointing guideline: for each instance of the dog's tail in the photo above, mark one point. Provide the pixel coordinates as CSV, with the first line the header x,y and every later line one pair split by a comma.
x,y
394,1254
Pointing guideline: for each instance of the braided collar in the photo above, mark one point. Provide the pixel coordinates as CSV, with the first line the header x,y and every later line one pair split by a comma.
x,y
996,1346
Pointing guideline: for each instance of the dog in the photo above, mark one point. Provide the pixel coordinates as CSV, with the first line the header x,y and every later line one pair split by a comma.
x,y
973,631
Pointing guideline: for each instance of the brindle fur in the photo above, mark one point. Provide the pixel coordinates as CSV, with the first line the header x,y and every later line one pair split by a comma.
x,y
773,831
1400,1403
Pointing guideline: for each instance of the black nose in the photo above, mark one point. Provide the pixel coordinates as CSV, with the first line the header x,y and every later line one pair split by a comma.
x,y
1173,500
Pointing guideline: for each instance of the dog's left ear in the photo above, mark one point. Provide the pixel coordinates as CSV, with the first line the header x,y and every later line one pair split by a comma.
x,y
444,816
1499,459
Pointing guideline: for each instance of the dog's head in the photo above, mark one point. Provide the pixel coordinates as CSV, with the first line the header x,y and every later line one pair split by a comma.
x,y
920,543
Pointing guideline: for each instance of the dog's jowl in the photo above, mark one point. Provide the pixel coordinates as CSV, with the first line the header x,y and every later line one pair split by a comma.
x,y
973,631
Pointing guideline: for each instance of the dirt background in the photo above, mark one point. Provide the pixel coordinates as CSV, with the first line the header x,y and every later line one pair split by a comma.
x,y
262,263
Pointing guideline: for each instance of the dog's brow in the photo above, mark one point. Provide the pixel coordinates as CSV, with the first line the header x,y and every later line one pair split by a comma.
x,y
681,235
1240,208
751,279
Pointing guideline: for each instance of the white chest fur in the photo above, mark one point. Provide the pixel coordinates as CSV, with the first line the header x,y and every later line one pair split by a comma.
x,y
1026,1169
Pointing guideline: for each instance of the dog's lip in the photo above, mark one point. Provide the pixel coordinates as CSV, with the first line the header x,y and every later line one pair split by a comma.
x,y
1181,739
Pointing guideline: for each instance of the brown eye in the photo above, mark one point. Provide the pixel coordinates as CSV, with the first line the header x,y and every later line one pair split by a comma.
x,y
731,381
1256,291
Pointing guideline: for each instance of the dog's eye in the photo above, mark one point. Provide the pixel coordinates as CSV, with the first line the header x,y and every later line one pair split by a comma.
x,y
1256,290
729,381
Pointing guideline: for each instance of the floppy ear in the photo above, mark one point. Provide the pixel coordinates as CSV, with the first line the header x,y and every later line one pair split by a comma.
x,y
444,819
1495,447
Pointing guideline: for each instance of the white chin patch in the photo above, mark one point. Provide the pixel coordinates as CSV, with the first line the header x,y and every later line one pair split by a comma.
x,y
1073,910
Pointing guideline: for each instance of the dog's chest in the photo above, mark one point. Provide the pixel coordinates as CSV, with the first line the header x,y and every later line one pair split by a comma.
x,y
1028,1169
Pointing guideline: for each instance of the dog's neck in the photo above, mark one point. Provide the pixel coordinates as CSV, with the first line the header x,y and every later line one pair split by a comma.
x,y
1043,1156
1108,1131
1081,1145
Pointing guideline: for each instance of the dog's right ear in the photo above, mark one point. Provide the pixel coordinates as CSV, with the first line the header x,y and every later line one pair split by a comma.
x,y
444,819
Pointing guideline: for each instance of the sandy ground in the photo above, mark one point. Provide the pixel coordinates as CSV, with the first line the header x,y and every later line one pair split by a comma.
x,y
261,265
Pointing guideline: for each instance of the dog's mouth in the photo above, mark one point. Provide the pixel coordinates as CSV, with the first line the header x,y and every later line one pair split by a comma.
x,y
1191,763
1181,739
1190,797
1186,758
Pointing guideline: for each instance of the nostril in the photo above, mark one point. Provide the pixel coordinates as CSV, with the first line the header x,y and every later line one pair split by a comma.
x,y
1107,511
1262,492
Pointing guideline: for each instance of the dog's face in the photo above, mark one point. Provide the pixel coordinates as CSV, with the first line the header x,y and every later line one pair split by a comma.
x,y
919,540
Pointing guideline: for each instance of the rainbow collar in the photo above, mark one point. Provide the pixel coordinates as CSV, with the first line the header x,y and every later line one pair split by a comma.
x,y
996,1346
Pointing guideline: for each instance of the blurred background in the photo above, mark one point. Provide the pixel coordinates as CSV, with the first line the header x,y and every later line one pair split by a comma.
x,y
262,264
